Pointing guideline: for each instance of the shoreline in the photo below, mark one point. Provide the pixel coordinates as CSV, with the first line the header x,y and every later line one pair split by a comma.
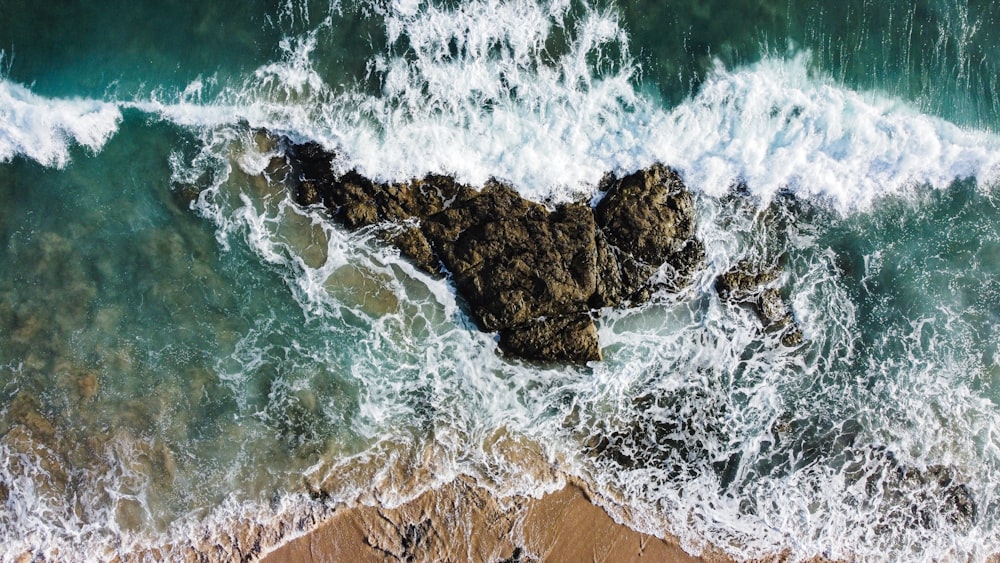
x,y
462,521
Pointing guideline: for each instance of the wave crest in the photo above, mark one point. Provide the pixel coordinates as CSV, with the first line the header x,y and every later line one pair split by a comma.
x,y
44,129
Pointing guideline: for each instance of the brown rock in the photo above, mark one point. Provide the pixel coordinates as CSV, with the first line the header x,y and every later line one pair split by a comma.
x,y
357,201
312,165
530,273
929,497
412,243
513,260
87,385
792,335
307,194
610,285
647,219
559,339
771,308
745,283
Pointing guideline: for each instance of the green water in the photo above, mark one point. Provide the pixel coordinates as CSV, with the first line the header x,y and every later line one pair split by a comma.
x,y
90,300
938,55
183,350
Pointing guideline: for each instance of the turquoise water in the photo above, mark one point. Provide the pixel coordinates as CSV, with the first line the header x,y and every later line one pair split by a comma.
x,y
184,352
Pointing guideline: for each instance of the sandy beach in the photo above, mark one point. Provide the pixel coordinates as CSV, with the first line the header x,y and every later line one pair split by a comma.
x,y
463,522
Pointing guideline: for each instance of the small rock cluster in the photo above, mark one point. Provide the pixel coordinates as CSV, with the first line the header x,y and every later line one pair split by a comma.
x,y
751,285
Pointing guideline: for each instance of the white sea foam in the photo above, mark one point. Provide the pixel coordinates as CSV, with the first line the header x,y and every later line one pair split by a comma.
x,y
711,429
477,95
44,129
478,91
775,126
45,518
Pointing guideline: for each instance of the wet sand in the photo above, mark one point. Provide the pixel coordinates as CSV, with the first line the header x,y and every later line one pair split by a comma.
x,y
463,522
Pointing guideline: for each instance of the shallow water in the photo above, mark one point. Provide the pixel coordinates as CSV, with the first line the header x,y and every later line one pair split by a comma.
x,y
182,348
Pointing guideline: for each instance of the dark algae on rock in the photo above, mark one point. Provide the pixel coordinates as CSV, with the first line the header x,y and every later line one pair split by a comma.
x,y
536,276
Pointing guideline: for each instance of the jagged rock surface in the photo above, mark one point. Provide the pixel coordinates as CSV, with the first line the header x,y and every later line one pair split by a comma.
x,y
559,337
749,284
531,274
647,220
512,259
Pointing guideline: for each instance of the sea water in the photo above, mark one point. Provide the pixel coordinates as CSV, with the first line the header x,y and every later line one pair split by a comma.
x,y
184,351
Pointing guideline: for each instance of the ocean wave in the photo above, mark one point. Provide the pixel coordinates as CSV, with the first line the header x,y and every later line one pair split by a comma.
x,y
696,421
776,126
44,129
545,97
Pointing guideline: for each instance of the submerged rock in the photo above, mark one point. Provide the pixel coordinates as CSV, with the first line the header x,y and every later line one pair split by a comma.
x,y
749,284
744,281
930,497
532,274
958,505
547,339
87,385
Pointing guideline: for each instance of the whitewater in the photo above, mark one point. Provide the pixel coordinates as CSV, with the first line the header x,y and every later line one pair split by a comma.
x,y
187,351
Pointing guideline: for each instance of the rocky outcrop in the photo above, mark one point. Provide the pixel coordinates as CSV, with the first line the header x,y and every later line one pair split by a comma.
x,y
646,220
748,284
532,274
560,337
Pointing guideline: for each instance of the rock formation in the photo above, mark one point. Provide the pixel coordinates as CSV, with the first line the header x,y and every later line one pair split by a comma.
x,y
748,284
646,220
532,274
